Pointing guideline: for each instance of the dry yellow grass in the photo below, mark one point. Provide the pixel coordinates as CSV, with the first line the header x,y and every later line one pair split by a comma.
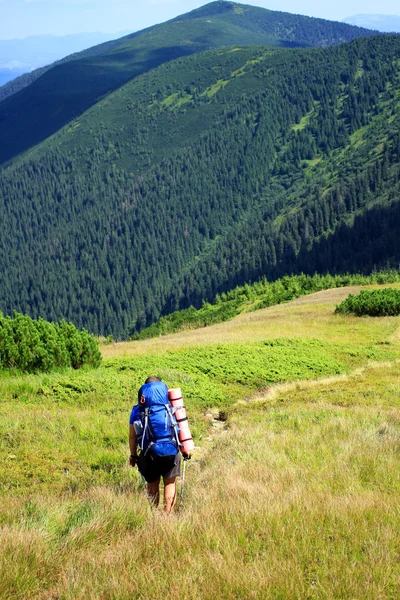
x,y
296,498
307,317
299,498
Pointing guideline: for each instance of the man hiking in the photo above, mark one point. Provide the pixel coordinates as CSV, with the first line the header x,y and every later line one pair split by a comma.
x,y
153,430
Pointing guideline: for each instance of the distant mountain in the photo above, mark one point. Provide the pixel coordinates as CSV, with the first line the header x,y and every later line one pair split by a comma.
x,y
204,173
67,90
19,83
8,74
382,23
20,56
39,50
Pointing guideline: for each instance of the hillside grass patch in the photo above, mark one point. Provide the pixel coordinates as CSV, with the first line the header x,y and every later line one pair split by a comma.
x,y
68,430
298,498
309,317
259,295
215,88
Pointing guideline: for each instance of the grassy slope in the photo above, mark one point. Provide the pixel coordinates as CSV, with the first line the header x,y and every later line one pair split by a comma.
x,y
308,317
249,298
297,498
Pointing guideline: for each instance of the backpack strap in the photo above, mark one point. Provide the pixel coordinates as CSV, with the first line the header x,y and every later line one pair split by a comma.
x,y
173,422
145,428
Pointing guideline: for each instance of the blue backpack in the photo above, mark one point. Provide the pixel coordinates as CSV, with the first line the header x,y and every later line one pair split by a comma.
x,y
155,425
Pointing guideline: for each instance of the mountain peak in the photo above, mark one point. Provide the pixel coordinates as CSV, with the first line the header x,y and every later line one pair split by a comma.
x,y
210,9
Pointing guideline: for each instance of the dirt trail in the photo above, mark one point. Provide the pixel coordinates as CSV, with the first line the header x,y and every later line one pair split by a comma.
x,y
273,392
219,422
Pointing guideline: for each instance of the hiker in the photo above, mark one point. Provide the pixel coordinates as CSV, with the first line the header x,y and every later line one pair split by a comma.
x,y
154,431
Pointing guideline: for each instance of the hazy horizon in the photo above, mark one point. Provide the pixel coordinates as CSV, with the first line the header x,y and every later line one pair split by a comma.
x,y
25,18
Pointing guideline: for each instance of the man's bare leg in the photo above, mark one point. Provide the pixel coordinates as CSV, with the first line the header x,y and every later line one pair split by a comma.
x,y
153,491
169,494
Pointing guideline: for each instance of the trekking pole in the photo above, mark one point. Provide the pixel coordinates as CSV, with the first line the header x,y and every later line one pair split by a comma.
x,y
183,479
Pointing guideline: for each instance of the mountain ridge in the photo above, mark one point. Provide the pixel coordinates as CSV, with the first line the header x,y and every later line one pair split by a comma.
x,y
213,170
37,51
65,91
23,80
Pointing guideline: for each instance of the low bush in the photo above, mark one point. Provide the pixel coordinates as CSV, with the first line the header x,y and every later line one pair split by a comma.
x,y
31,346
376,303
261,294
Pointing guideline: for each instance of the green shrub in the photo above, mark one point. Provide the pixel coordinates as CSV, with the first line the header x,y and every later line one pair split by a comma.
x,y
256,296
29,345
376,303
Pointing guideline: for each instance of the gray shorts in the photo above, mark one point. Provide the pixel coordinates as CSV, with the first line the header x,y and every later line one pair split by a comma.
x,y
160,466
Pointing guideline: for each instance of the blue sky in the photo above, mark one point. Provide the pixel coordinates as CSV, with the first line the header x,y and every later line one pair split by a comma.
x,y
20,18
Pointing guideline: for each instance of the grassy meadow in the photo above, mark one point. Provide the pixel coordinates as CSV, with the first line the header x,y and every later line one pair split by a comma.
x,y
293,490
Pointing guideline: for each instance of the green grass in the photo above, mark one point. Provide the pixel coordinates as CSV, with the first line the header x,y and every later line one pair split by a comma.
x,y
357,138
304,121
216,87
68,430
297,497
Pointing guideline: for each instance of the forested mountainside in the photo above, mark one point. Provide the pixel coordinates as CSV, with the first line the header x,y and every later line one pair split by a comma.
x,y
65,91
212,170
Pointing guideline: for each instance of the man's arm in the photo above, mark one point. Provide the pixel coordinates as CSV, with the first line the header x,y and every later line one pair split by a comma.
x,y
132,445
